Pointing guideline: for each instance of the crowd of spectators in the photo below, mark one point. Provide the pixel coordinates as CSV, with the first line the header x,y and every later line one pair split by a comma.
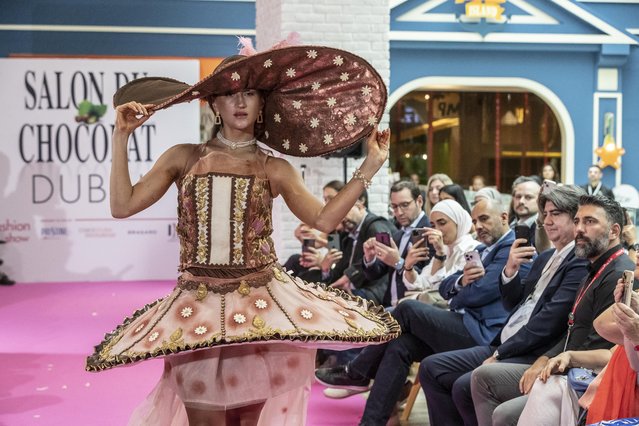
x,y
494,318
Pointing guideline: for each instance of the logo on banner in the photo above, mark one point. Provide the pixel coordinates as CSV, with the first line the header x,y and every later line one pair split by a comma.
x,y
13,231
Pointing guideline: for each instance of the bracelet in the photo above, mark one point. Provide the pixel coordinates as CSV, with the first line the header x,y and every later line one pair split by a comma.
x,y
358,175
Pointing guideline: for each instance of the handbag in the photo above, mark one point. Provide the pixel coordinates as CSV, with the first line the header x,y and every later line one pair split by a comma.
x,y
580,378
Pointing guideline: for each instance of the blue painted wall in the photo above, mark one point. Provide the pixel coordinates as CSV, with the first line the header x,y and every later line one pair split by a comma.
x,y
568,70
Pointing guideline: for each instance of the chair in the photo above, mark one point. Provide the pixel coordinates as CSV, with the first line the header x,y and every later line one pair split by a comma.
x,y
410,401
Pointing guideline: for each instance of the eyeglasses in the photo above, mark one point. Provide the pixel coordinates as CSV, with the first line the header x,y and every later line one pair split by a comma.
x,y
402,206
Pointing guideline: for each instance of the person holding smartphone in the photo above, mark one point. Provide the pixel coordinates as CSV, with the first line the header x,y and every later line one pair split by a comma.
x,y
389,259
450,237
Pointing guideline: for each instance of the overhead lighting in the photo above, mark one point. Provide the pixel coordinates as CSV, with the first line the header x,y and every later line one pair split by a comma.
x,y
509,119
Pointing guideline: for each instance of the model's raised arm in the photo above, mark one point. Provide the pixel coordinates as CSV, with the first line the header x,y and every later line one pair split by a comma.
x,y
127,199
287,181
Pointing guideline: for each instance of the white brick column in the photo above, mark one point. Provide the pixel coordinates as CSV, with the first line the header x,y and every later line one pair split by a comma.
x,y
360,27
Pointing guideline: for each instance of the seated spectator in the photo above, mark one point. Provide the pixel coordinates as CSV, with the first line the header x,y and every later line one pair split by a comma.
x,y
451,239
435,183
454,192
348,274
613,393
500,390
296,263
487,193
477,182
476,316
540,304
549,172
406,203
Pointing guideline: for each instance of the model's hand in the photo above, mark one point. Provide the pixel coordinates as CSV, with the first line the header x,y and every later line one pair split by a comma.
x,y
131,115
377,147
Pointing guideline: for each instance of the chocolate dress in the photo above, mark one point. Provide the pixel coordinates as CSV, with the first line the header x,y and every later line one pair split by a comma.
x,y
252,322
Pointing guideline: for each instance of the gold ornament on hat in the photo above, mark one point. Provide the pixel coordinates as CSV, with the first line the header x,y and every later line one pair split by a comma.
x,y
609,153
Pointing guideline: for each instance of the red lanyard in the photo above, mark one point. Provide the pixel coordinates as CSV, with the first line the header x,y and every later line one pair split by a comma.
x,y
571,315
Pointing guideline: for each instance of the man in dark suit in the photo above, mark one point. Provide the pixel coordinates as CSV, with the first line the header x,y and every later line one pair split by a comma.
x,y
595,186
475,318
379,260
540,304
348,273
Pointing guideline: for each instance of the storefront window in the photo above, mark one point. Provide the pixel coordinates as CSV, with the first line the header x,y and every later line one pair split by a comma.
x,y
496,135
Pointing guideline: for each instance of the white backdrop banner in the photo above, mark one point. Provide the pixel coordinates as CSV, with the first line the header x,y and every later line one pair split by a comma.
x,y
55,159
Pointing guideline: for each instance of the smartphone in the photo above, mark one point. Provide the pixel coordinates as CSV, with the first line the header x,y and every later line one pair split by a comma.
x,y
416,235
473,257
384,238
306,243
523,231
548,186
333,242
628,281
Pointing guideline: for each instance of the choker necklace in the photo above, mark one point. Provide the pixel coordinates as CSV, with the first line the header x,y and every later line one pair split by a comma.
x,y
235,145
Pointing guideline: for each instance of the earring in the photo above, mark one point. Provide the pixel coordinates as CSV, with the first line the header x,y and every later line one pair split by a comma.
x,y
217,119
260,117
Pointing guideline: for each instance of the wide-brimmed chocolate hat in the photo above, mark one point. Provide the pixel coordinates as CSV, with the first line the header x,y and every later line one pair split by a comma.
x,y
317,99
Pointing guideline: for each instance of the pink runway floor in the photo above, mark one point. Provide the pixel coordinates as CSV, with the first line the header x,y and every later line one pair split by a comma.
x,y
47,331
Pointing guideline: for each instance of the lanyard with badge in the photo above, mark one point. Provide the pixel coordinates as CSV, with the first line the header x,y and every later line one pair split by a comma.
x,y
582,293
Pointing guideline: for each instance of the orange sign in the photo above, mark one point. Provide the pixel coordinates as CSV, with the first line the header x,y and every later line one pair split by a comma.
x,y
487,9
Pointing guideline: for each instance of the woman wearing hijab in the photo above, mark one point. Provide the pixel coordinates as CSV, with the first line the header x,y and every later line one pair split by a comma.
x,y
450,237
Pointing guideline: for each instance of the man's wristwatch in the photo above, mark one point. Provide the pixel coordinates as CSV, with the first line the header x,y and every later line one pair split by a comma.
x,y
399,265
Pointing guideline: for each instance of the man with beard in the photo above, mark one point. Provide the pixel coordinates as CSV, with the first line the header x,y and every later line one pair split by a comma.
x,y
476,315
348,274
499,390
541,302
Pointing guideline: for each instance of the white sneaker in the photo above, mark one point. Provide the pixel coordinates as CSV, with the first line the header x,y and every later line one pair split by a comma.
x,y
335,393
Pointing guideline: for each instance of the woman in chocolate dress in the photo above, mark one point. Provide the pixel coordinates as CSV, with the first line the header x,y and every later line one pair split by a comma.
x,y
238,333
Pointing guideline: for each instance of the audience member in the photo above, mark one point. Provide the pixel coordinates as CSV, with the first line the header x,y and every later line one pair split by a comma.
x,y
488,193
549,172
454,192
540,302
499,390
299,264
629,237
406,203
435,183
475,318
451,239
348,274
594,185
477,182
414,177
